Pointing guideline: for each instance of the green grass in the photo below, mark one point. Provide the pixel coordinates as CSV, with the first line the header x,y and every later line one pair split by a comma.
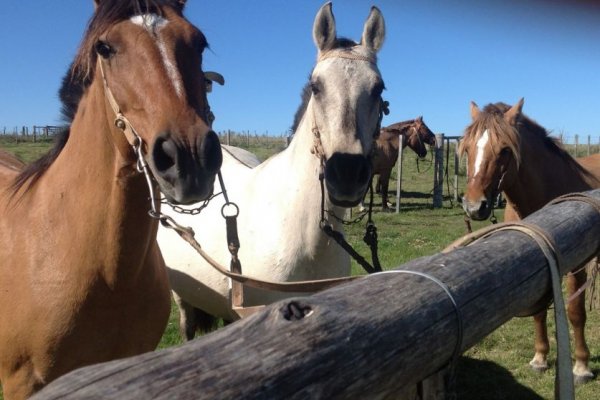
x,y
497,367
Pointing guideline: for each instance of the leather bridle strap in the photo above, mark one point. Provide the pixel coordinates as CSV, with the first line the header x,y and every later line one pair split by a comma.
x,y
121,121
297,286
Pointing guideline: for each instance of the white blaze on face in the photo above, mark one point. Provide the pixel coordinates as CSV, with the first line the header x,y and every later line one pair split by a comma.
x,y
481,144
153,24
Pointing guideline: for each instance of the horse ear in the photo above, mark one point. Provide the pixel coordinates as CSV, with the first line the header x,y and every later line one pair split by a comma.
x,y
419,118
96,3
374,30
474,110
324,33
181,4
514,112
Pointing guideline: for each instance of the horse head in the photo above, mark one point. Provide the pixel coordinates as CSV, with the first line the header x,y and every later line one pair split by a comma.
x,y
148,58
491,143
346,104
418,135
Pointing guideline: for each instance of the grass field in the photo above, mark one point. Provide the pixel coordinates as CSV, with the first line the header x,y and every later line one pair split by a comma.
x,y
497,367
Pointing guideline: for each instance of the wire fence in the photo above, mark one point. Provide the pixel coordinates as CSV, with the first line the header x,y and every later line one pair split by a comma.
x,y
576,145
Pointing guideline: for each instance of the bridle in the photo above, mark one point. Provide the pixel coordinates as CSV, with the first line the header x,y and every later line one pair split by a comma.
x,y
135,142
370,237
493,196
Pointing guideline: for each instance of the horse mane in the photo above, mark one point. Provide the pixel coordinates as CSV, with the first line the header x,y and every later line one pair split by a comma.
x,y
339,43
502,134
79,75
398,126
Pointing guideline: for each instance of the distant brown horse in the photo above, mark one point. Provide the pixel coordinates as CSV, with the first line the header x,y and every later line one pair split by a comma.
x,y
416,136
511,153
82,279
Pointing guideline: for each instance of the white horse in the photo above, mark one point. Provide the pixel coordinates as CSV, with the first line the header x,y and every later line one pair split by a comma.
x,y
280,199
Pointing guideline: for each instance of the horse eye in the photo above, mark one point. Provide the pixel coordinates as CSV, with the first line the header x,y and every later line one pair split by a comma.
x,y
315,87
378,89
104,49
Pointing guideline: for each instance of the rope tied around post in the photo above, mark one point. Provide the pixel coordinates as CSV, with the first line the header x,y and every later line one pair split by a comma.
x,y
564,383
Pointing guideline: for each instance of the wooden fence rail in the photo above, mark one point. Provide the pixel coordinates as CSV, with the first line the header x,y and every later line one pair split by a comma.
x,y
366,339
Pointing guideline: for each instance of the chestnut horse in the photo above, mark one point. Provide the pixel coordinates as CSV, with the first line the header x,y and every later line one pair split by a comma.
x,y
83,280
511,153
416,136
280,200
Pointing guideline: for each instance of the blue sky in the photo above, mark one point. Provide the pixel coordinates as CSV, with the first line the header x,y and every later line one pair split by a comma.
x,y
437,57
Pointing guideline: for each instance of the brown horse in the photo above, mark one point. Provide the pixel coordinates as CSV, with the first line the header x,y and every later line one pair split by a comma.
x,y
83,280
509,152
385,154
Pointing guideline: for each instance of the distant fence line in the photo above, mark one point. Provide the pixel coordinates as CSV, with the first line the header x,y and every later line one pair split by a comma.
x,y
249,139
30,134
578,145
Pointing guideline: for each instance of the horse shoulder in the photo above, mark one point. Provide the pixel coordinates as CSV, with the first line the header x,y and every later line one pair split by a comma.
x,y
592,164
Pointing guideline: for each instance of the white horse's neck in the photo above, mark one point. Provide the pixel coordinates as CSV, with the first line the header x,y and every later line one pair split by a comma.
x,y
290,180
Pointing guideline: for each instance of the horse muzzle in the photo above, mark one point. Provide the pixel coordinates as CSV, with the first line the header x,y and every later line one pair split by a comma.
x,y
186,172
478,210
347,178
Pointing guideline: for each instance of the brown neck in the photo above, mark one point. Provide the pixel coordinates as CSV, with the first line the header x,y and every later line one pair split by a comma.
x,y
543,176
93,182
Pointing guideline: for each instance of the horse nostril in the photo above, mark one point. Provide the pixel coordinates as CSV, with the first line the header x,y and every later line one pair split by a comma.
x,y
483,207
210,154
164,153
364,172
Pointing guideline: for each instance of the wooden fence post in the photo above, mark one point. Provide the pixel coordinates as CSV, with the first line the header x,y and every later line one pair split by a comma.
x,y
576,146
438,173
456,170
589,145
399,173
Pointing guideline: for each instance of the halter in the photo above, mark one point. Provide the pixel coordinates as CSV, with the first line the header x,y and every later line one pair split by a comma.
x,y
134,140
370,237
121,121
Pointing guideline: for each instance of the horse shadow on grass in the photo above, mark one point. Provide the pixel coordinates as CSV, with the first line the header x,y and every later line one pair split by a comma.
x,y
485,380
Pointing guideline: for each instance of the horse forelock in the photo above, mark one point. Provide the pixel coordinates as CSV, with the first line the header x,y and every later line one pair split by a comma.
x,y
79,75
500,133
108,13
341,43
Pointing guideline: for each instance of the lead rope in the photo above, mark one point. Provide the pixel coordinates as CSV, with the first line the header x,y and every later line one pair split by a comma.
x,y
563,385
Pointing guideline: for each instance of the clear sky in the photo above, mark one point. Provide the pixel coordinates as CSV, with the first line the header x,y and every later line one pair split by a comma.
x,y
437,57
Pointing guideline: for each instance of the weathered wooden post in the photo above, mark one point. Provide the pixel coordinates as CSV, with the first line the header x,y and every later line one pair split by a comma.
x,y
369,338
589,145
456,169
228,137
576,146
438,173
399,173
